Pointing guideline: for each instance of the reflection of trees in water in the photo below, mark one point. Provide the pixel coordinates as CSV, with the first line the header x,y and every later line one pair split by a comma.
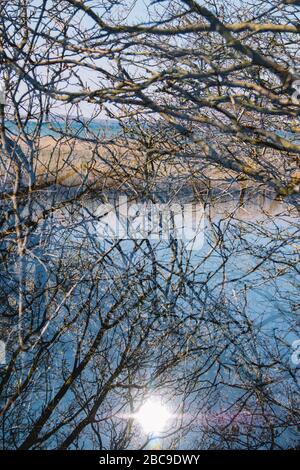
x,y
104,325
202,101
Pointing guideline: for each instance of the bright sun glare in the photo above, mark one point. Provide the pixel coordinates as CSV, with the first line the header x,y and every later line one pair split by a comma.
x,y
153,416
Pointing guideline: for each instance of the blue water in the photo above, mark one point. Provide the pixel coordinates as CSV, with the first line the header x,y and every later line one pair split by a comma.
x,y
74,127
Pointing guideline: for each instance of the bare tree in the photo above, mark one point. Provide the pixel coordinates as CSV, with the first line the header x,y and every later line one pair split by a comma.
x,y
200,102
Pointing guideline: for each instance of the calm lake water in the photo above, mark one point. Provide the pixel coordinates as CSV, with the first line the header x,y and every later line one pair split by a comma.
x,y
233,305
243,282
76,128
